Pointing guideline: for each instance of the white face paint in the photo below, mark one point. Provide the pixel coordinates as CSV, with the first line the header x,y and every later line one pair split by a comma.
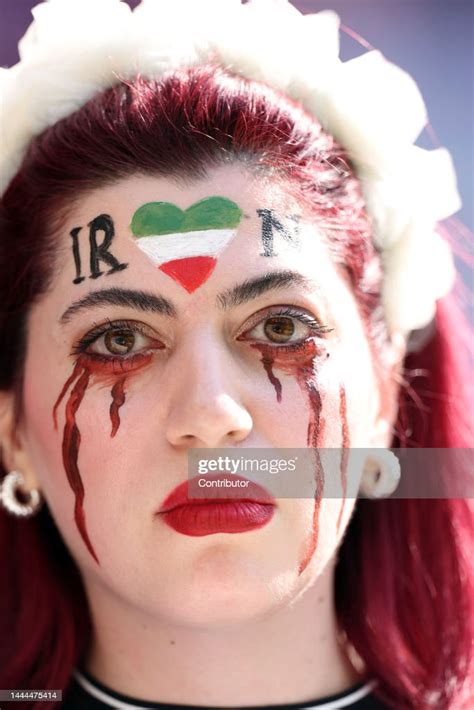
x,y
183,245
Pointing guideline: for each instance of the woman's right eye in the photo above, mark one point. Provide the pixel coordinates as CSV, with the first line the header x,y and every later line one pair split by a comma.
x,y
118,343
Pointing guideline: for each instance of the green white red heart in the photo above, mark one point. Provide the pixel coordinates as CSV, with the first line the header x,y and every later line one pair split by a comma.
x,y
185,244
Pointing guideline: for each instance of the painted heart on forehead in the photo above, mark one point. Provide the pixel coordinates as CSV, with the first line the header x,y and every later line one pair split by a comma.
x,y
185,244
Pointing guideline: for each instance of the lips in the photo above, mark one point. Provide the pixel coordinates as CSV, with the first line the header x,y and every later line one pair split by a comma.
x,y
226,508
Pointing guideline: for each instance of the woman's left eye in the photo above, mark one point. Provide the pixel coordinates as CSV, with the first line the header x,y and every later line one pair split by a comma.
x,y
283,328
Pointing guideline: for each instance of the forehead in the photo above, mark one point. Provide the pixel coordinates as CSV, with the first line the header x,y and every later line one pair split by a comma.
x,y
161,234
235,183
124,199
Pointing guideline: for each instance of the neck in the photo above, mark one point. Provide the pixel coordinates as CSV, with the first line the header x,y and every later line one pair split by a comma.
x,y
290,655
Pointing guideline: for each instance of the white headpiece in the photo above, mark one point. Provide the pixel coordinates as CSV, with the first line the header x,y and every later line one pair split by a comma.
x,y
76,48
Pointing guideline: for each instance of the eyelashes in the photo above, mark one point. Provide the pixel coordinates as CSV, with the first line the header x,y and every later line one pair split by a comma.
x,y
284,328
119,337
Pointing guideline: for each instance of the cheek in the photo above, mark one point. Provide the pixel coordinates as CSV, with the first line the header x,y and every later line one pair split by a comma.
x,y
84,464
290,371
309,403
334,388
332,527
44,442
44,450
361,393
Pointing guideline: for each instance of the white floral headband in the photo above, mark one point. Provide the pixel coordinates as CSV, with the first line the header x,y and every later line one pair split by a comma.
x,y
76,48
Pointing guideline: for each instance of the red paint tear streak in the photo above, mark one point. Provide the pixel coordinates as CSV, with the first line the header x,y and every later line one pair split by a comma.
x,y
107,372
268,358
268,365
345,450
314,438
101,370
299,362
75,374
118,398
70,450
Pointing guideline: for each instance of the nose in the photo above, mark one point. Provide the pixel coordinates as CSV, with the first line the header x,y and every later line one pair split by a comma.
x,y
205,405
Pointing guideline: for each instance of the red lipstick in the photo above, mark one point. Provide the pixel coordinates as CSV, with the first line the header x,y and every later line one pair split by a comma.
x,y
238,506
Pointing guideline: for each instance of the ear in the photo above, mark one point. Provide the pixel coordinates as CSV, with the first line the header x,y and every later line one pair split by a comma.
x,y
13,452
387,407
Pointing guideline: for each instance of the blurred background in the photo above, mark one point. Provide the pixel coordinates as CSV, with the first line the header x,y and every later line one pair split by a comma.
x,y
432,39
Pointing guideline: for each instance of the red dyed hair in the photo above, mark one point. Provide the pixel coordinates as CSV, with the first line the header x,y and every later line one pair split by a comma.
x,y
402,578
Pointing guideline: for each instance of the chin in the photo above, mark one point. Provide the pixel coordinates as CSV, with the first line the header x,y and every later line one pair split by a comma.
x,y
224,589
204,611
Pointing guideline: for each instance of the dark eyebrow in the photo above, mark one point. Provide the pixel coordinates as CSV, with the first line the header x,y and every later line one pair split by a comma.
x,y
145,301
252,288
141,300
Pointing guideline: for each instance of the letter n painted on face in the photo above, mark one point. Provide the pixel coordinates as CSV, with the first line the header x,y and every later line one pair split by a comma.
x,y
272,225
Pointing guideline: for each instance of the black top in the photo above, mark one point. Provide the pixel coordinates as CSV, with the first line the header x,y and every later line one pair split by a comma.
x,y
86,693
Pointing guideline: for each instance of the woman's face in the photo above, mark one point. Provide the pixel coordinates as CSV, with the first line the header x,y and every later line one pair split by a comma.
x,y
193,316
